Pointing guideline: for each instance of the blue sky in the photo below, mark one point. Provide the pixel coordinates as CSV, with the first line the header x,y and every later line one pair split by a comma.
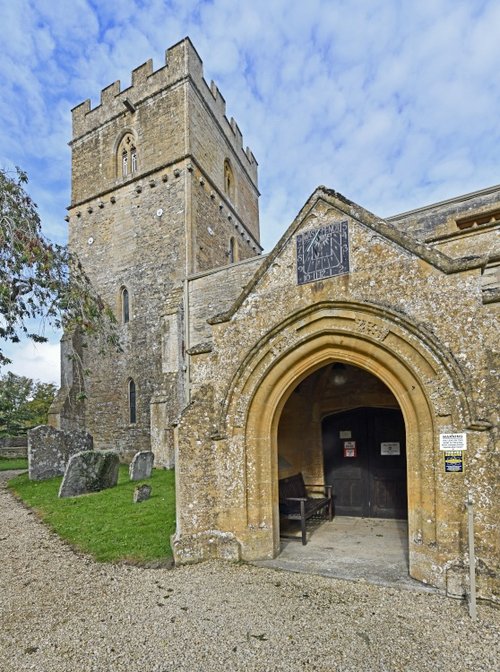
x,y
394,103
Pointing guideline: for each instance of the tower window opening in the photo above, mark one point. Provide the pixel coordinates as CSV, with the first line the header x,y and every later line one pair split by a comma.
x,y
127,156
233,250
125,305
228,180
132,402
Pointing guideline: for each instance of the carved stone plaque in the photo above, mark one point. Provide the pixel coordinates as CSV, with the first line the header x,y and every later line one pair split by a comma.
x,y
323,252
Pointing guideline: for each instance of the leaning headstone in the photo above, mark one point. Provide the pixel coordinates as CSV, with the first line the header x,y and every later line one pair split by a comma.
x,y
141,466
142,492
90,471
49,450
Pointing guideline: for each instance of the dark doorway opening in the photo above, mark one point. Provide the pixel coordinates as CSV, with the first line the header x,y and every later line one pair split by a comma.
x,y
343,426
364,456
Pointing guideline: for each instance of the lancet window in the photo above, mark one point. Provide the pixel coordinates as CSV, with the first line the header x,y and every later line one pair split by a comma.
x,y
132,402
125,301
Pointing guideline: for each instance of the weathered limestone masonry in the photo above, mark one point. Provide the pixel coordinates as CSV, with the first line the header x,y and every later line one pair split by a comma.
x,y
161,188
355,352
90,471
426,328
14,446
50,449
141,465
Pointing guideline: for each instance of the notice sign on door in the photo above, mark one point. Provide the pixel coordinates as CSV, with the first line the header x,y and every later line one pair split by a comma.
x,y
350,449
390,448
453,441
454,462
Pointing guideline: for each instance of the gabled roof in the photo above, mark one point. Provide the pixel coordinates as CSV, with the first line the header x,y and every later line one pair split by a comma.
x,y
382,227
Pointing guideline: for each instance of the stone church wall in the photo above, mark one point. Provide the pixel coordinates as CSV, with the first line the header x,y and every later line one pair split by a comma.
x,y
158,127
210,152
135,248
448,343
214,224
144,230
215,292
440,219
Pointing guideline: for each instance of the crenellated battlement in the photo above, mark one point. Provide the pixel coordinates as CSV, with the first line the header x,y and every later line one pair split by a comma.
x,y
181,62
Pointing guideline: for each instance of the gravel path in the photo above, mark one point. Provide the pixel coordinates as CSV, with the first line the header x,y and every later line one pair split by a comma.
x,y
60,611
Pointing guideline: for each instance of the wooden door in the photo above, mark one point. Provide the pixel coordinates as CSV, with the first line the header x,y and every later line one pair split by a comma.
x,y
365,461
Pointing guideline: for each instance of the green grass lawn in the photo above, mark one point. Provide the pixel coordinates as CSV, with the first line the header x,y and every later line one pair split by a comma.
x,y
13,463
107,524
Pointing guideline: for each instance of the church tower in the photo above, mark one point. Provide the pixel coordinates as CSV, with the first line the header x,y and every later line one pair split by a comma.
x,y
162,190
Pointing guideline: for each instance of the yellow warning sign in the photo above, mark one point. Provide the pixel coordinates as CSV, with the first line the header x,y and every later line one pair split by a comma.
x,y
454,462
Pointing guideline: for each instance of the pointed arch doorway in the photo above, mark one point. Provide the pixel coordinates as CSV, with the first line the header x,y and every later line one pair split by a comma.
x,y
343,426
264,419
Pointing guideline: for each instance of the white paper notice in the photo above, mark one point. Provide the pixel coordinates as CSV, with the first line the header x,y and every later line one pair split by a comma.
x,y
453,441
390,448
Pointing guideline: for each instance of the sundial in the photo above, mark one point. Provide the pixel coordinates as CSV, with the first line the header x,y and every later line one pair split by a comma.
x,y
323,252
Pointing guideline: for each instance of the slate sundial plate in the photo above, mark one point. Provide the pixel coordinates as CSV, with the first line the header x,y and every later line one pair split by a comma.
x,y
323,252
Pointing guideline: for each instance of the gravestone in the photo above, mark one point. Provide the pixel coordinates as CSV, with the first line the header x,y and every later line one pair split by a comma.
x,y
49,450
141,466
142,492
90,471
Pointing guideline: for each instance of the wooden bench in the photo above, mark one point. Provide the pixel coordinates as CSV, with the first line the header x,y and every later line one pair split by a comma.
x,y
297,504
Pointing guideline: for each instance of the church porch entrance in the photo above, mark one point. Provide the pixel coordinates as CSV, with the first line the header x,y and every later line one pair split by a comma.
x,y
342,426
281,394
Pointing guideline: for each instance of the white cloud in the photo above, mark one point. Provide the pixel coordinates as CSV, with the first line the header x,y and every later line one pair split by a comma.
x,y
393,104
39,361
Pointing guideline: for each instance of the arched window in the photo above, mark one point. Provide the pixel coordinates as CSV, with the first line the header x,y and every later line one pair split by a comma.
x,y
132,402
125,305
228,180
127,157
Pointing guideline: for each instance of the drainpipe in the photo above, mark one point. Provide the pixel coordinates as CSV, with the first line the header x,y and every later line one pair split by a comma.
x,y
472,557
